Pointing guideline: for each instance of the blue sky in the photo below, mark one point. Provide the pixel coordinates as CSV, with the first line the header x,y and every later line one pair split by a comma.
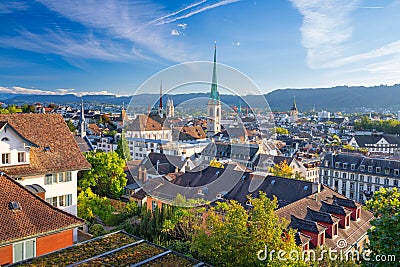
x,y
112,46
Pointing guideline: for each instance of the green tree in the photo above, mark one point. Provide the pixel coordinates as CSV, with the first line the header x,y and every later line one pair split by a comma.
x,y
384,235
123,148
71,126
91,205
28,108
282,170
106,177
232,236
13,109
280,130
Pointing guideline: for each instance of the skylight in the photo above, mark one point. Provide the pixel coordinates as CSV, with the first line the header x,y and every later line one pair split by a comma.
x,y
14,205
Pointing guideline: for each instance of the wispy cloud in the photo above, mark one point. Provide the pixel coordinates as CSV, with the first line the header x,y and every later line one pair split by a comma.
x,y
115,30
196,11
7,7
34,91
236,43
326,28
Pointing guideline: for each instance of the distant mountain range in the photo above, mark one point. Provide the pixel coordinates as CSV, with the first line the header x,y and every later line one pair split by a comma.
x,y
340,98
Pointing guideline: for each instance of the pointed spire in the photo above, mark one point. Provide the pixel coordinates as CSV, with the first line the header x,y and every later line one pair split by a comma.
x,y
160,105
294,107
214,86
82,118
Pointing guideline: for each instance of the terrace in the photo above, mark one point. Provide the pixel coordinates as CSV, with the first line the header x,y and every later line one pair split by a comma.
x,y
115,249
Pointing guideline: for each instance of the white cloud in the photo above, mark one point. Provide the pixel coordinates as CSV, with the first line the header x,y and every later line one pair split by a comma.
x,y
236,43
182,25
117,30
7,7
197,11
326,28
32,91
175,32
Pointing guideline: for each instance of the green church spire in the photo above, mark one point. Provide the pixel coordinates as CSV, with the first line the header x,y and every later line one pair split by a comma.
x,y
214,88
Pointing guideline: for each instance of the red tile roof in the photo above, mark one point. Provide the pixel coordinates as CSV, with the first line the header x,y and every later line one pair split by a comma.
x,y
46,130
315,201
36,217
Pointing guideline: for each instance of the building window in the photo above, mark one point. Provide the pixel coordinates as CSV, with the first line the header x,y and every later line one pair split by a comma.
x,y
352,176
369,179
370,168
377,188
377,180
21,157
24,250
378,169
337,164
396,172
369,188
386,181
362,168
48,179
353,166
5,158
68,176
61,177
344,175
395,183
336,174
68,200
361,187
362,178
344,165
61,201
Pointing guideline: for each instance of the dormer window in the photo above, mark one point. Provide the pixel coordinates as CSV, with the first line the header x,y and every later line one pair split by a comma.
x,y
396,172
344,165
353,166
362,168
378,169
337,164
5,158
370,168
200,192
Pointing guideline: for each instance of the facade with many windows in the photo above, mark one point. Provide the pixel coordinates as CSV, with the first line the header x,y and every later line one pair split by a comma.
x,y
358,177
39,152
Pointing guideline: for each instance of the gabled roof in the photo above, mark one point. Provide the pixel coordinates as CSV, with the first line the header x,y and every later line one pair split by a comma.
x,y
188,133
143,122
320,216
334,208
5,124
56,149
36,217
307,225
316,202
363,140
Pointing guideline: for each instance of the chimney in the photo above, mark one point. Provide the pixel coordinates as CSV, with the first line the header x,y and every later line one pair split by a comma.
x,y
316,187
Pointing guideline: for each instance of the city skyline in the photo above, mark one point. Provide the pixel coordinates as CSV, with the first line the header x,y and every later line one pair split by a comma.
x,y
111,47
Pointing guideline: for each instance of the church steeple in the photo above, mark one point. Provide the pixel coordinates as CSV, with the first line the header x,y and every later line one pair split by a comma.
x,y
160,105
82,121
294,107
214,103
214,86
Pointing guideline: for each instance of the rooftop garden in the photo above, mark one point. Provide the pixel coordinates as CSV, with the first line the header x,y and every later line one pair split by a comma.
x,y
115,249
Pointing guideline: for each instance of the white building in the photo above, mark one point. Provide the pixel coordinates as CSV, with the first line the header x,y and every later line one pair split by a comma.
x,y
40,152
358,177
